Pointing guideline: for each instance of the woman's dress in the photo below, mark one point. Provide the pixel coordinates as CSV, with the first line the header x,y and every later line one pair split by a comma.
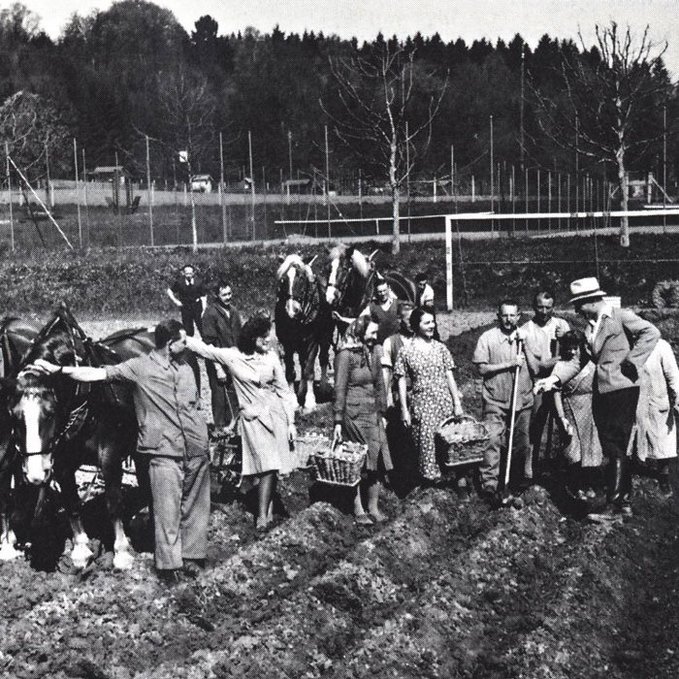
x,y
584,445
360,403
427,364
266,407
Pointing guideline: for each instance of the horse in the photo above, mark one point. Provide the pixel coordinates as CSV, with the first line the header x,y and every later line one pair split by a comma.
x,y
352,280
16,336
59,424
130,342
303,324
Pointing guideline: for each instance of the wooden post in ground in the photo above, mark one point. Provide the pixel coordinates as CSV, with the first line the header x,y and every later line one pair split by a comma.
x,y
9,199
77,192
148,187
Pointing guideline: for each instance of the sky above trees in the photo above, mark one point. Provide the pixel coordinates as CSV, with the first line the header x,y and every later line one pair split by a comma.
x,y
468,19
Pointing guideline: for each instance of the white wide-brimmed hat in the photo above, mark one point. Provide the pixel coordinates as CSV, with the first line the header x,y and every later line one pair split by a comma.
x,y
585,288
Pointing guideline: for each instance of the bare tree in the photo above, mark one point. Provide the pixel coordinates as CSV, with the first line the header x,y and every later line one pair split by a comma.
x,y
188,107
609,96
378,94
32,126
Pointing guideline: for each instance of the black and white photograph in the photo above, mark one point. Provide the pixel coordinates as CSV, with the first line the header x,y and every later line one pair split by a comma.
x,y
338,339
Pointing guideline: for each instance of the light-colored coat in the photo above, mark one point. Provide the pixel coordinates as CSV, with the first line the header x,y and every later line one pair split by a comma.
x,y
622,337
656,437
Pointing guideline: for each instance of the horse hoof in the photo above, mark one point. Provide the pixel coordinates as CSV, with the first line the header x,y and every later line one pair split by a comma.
x,y
8,552
80,556
123,561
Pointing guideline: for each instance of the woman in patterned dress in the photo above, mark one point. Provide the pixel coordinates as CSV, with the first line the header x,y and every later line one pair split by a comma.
x,y
435,395
360,409
573,405
266,408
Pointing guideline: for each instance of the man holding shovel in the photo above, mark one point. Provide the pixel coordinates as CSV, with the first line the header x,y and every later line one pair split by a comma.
x,y
506,362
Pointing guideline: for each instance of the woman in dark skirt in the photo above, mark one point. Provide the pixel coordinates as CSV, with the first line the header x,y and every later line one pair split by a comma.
x,y
360,409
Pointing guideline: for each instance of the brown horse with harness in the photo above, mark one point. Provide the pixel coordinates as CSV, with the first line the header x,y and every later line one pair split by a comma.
x,y
58,425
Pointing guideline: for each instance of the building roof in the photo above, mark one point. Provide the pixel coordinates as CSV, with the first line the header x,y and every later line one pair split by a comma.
x,y
109,169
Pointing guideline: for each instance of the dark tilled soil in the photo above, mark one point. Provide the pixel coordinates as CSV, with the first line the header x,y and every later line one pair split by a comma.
x,y
445,588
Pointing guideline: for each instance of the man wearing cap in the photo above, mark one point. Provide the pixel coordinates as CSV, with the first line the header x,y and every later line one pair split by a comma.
x,y
619,342
542,333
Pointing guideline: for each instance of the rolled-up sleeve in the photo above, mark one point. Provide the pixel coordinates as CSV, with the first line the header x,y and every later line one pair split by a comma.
x,y
482,351
128,371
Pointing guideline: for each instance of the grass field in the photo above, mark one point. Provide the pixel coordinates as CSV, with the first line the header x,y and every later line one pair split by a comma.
x,y
131,282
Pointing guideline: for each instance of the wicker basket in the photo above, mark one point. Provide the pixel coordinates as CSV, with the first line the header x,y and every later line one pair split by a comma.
x,y
465,438
341,465
308,445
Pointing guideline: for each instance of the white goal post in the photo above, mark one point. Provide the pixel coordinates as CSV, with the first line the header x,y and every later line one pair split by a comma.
x,y
574,227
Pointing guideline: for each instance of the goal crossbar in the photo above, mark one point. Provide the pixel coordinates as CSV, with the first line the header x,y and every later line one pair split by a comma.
x,y
596,214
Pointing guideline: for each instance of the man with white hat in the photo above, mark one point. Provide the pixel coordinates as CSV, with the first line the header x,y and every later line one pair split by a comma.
x,y
619,342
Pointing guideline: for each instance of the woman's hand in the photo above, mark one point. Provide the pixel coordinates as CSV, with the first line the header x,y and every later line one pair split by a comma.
x,y
292,432
337,434
457,410
405,417
46,367
567,427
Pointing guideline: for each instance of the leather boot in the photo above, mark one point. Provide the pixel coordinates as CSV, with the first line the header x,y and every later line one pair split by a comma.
x,y
616,472
624,505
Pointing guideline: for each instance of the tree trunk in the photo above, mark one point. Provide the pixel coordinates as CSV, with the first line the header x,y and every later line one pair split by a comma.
x,y
396,211
395,198
194,228
624,196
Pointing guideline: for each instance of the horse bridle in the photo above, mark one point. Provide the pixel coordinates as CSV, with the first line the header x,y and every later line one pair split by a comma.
x,y
306,300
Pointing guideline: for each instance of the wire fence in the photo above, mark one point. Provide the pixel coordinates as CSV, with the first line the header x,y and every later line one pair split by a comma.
x,y
121,212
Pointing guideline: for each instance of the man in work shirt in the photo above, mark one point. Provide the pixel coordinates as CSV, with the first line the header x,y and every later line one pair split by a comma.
x,y
173,437
497,358
542,334
383,310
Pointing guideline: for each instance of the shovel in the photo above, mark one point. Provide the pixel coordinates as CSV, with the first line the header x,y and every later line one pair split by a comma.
x,y
512,424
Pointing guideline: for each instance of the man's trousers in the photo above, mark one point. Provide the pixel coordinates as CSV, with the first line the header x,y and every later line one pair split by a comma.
x,y
497,420
180,492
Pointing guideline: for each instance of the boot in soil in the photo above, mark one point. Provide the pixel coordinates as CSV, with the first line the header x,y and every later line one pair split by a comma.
x,y
616,480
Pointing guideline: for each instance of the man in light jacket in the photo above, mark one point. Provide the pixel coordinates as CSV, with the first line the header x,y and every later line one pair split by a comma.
x,y
619,342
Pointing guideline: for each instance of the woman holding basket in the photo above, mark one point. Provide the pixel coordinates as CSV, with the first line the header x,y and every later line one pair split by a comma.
x,y
360,409
435,396
267,407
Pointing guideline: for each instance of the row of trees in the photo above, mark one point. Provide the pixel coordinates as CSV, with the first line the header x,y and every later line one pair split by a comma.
x,y
395,109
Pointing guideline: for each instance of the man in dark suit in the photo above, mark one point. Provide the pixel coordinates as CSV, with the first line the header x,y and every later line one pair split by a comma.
x,y
619,343
188,293
221,328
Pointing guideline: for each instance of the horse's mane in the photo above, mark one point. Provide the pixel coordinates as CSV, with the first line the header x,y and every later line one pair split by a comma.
x,y
296,261
360,263
55,349
358,260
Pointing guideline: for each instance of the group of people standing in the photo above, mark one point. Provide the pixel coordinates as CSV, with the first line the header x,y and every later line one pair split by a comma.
x,y
394,386
612,391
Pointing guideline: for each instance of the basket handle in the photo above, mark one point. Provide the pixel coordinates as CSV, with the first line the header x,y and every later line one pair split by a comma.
x,y
463,418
